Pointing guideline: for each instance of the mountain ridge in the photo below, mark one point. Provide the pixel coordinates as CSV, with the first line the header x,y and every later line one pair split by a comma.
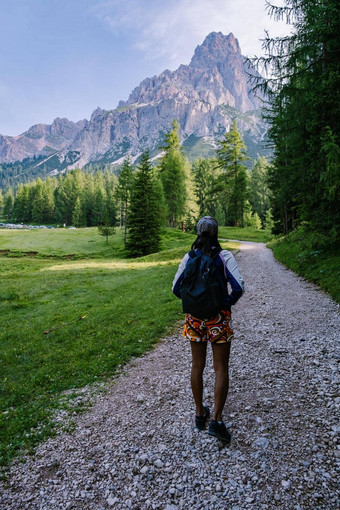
x,y
205,96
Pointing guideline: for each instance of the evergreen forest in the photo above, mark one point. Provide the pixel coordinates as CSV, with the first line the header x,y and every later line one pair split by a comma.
x,y
168,192
303,114
299,187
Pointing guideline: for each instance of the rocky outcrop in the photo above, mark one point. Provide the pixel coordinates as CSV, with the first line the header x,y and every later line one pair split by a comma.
x,y
41,139
204,96
217,74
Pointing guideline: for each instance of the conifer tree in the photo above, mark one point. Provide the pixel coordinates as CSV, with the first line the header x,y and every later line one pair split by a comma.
x,y
173,176
49,187
99,204
78,214
303,113
143,216
8,204
259,193
110,184
106,229
123,192
163,209
89,199
233,182
22,208
68,190
38,199
202,170
1,200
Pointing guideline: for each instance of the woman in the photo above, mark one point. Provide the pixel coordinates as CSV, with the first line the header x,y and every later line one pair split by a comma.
x,y
216,329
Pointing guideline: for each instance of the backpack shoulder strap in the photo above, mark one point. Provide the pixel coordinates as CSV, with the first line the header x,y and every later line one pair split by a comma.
x,y
192,254
216,252
214,257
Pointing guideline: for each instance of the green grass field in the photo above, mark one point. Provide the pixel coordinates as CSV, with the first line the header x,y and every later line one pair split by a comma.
x,y
100,309
245,234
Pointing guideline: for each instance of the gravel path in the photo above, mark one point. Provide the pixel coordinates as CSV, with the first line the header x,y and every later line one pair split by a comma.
x,y
137,448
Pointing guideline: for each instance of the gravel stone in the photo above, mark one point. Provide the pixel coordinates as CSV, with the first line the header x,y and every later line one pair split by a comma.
x,y
137,448
158,463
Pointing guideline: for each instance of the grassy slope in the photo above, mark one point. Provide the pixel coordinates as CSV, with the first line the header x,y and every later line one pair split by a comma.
x,y
300,252
128,306
245,234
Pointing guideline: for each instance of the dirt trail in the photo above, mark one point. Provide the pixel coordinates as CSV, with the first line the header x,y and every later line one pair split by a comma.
x,y
137,447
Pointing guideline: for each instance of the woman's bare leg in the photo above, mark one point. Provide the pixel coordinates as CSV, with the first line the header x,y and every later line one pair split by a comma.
x,y
221,354
199,353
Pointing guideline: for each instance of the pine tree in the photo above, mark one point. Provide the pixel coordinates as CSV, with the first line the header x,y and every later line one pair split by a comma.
x,y
110,184
49,187
1,199
202,170
143,216
38,202
123,192
8,204
106,229
89,199
259,192
99,205
173,176
303,113
163,209
68,190
78,215
22,204
269,223
233,182
206,173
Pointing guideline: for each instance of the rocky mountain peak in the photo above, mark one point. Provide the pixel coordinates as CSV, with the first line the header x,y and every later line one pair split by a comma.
x,y
217,74
97,113
216,48
204,96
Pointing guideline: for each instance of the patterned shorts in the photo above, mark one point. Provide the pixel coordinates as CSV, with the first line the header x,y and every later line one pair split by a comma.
x,y
217,330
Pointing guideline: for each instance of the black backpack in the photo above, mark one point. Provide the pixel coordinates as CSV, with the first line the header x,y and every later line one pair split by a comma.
x,y
202,290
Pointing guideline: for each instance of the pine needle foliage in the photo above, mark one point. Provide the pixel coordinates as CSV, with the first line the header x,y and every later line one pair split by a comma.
x,y
303,112
230,154
173,176
144,214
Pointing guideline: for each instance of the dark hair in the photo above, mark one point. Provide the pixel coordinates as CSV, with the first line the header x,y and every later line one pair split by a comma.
x,y
206,243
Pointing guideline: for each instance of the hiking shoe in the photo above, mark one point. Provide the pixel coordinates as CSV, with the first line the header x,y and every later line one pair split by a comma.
x,y
201,421
219,430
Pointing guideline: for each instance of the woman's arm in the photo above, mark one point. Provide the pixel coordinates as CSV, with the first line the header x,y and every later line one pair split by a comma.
x,y
176,284
233,276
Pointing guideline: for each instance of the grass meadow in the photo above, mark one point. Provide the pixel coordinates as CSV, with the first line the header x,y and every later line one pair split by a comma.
x,y
73,310
245,234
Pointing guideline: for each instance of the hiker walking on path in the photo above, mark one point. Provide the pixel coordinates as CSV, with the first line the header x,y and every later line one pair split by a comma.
x,y
201,282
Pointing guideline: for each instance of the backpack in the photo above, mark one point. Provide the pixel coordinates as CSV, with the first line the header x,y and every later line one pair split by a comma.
x,y
202,290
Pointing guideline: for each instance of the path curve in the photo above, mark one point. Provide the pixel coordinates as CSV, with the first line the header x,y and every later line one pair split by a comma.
x,y
137,447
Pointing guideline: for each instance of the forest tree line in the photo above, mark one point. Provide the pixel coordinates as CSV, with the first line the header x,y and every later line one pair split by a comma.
x,y
222,187
303,115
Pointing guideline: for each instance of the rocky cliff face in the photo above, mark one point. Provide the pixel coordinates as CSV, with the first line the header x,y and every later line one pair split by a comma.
x,y
216,75
204,96
40,139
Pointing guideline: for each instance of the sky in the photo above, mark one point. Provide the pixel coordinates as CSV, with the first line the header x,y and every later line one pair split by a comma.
x,y
64,58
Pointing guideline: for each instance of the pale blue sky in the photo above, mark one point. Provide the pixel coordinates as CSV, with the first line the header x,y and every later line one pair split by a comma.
x,y
63,58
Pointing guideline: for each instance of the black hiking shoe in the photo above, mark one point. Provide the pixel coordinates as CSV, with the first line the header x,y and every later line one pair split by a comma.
x,y
201,421
219,430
